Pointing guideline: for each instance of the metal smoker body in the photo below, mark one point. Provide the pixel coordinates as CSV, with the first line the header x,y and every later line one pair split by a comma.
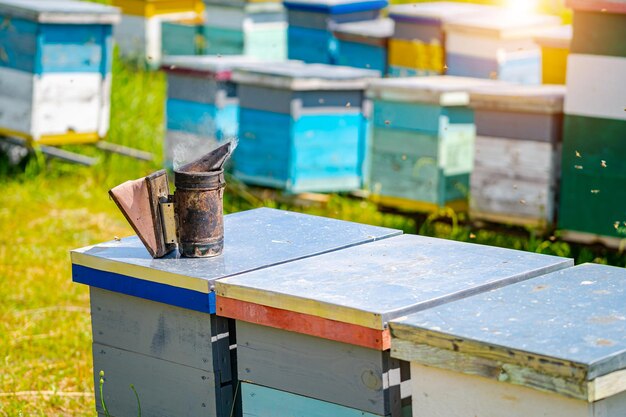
x,y
192,218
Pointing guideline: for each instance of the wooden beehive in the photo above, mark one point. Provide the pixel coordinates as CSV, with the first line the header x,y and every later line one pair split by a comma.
x,y
555,46
140,34
202,106
593,197
153,320
553,346
364,44
302,127
518,154
422,148
257,29
314,333
309,36
418,43
55,70
497,45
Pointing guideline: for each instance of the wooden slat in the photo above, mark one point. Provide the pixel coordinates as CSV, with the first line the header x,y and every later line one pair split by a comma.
x,y
330,371
258,401
164,388
303,323
164,332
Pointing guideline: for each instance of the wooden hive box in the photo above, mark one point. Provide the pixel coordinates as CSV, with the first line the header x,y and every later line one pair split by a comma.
x,y
422,147
183,37
140,34
302,127
364,44
310,37
154,322
202,105
497,45
593,196
315,333
550,346
418,42
55,70
257,29
517,161
555,45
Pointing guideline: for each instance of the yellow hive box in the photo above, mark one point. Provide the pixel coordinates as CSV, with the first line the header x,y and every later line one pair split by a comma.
x,y
555,46
151,8
417,55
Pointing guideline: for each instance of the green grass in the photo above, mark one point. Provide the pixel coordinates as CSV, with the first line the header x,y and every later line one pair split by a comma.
x,y
50,208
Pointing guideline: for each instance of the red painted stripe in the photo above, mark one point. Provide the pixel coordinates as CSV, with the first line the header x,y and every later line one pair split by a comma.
x,y
303,323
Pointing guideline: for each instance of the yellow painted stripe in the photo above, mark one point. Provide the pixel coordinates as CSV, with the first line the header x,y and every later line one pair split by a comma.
x,y
140,272
161,7
420,206
300,305
69,139
554,65
54,140
416,55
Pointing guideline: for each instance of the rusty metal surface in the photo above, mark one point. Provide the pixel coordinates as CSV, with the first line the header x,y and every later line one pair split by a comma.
x,y
198,203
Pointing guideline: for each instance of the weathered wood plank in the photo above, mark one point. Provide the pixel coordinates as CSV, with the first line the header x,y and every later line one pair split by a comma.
x,y
441,393
164,388
164,332
556,332
329,371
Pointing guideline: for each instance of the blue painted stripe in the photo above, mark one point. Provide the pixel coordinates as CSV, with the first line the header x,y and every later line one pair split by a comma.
x,y
179,297
54,48
258,400
18,39
360,55
337,9
273,146
74,48
311,45
419,117
202,118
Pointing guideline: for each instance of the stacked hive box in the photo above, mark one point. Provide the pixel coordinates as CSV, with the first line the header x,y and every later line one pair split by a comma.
x,y
364,44
254,28
518,154
302,126
555,46
593,196
550,346
140,33
310,37
202,105
154,322
55,70
497,45
422,146
417,45
312,336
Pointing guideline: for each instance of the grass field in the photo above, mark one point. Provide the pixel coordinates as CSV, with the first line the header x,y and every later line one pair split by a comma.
x,y
50,208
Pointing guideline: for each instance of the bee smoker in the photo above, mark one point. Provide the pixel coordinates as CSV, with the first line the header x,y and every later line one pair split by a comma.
x,y
191,219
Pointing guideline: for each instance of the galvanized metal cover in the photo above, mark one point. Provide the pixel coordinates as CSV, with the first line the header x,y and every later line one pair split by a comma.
x,y
576,315
254,239
371,284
